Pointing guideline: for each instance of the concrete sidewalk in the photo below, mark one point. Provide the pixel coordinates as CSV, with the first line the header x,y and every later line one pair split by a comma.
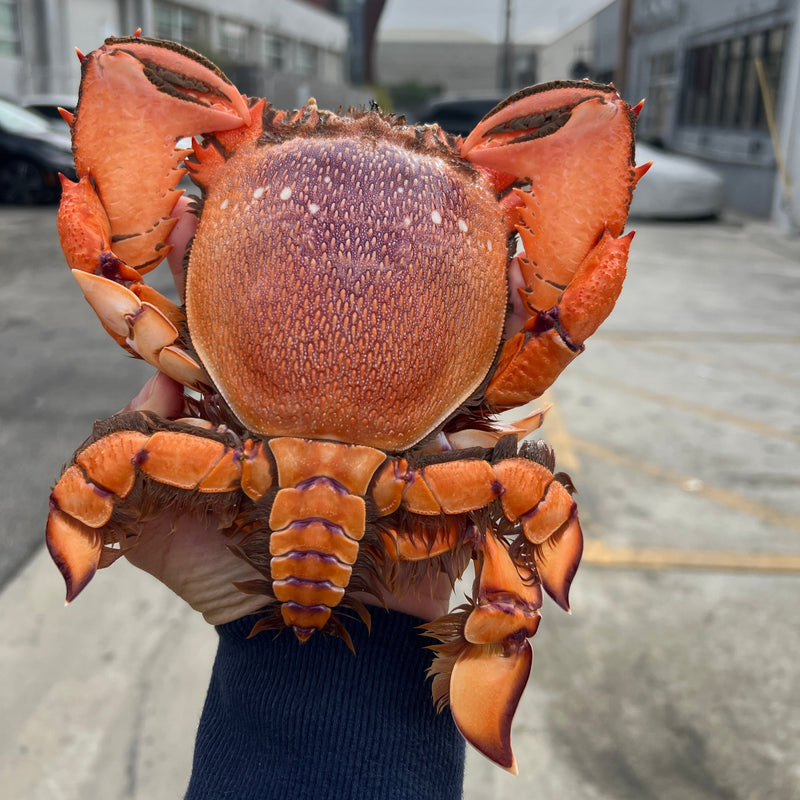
x,y
99,700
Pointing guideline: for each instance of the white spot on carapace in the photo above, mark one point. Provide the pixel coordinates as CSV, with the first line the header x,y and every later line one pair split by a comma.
x,y
489,245
406,221
258,192
462,225
313,208
224,203
327,179
286,193
436,217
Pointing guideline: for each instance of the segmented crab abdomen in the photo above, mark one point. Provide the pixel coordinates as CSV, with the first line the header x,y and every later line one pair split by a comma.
x,y
317,521
347,287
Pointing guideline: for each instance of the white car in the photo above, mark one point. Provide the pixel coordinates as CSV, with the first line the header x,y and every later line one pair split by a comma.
x,y
676,187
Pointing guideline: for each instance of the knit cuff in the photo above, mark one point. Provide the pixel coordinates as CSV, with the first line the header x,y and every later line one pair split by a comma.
x,y
289,720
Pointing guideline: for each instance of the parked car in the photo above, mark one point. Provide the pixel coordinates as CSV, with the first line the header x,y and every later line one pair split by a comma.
x,y
48,104
676,187
458,114
32,154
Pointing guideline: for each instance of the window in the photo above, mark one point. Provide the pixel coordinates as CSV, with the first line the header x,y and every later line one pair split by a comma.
x,y
9,33
661,92
275,51
176,23
233,40
721,87
307,59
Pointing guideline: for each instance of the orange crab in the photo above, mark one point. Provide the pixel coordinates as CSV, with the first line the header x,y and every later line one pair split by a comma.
x,y
355,316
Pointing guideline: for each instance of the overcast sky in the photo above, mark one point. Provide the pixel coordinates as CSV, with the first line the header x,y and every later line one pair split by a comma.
x,y
485,17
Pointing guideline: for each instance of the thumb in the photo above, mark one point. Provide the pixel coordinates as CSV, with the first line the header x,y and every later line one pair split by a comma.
x,y
161,395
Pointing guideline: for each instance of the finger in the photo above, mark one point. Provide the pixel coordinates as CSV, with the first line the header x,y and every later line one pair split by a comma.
x,y
519,314
179,238
428,599
192,557
161,395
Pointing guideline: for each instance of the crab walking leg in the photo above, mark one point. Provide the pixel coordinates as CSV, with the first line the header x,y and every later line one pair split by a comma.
x,y
528,494
492,670
317,520
81,527
137,317
484,659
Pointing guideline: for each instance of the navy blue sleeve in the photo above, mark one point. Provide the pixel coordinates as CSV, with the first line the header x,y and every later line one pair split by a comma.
x,y
289,720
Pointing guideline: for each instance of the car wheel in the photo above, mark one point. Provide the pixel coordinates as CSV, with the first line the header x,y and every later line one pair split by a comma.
x,y
22,183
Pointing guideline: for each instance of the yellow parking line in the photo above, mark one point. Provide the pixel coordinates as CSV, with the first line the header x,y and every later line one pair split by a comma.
x,y
557,437
725,337
698,409
601,554
722,497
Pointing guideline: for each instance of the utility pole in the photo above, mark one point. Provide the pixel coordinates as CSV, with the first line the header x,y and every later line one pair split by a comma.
x,y
506,53
623,44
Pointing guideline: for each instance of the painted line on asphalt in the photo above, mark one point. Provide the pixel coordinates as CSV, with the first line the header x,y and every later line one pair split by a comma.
x,y
698,336
599,553
689,483
557,437
684,354
698,409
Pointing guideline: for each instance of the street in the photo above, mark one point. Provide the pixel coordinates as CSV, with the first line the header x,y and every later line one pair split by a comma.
x,y
676,675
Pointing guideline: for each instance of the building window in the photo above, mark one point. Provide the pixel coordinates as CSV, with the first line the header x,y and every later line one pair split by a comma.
x,y
722,89
274,51
661,90
307,59
233,40
9,32
176,23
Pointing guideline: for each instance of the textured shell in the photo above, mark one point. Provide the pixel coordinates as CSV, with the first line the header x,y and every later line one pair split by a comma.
x,y
348,286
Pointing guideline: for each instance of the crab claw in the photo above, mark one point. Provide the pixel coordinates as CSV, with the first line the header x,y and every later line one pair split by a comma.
x,y
568,148
160,92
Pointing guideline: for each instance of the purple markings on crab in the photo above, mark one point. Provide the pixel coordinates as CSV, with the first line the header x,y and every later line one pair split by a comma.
x,y
325,480
548,320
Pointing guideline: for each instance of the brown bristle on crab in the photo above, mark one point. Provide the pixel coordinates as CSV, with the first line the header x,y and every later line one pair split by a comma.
x,y
355,314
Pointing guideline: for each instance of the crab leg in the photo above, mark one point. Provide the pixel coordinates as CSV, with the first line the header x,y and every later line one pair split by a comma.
x,y
528,494
568,148
484,658
80,526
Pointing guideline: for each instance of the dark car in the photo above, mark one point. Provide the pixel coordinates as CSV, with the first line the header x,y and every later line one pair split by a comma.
x,y
458,115
32,154
48,106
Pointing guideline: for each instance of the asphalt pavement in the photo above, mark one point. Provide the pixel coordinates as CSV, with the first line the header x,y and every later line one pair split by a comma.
x,y
675,678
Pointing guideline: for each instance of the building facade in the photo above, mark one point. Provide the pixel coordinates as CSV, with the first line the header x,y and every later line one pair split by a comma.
x,y
588,50
285,50
452,62
721,82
